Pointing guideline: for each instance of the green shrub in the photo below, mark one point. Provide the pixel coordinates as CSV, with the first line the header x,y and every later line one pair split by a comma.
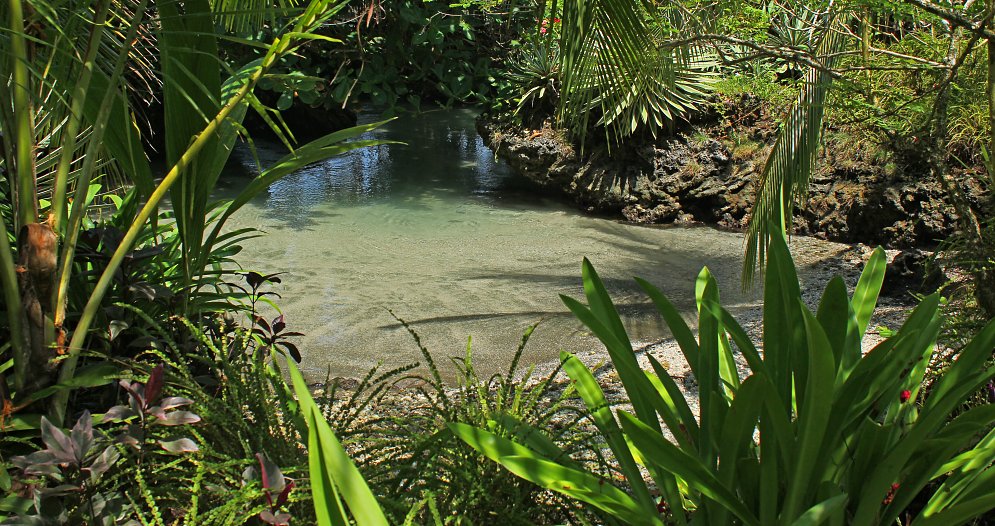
x,y
421,470
536,77
817,432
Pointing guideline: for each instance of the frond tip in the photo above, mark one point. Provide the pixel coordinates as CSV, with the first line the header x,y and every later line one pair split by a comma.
x,y
789,166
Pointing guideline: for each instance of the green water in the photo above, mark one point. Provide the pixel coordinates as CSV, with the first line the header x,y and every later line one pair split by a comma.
x,y
456,244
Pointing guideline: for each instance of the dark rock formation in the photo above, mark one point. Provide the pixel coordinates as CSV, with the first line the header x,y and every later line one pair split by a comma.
x,y
911,271
702,176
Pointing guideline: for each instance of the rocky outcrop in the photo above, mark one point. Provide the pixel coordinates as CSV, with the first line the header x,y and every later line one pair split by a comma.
x,y
703,176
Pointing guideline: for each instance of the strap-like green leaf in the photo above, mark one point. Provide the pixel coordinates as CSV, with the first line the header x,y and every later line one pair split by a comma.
x,y
594,398
813,417
676,411
333,466
837,319
969,361
821,512
959,514
658,451
617,344
865,295
539,470
678,327
738,428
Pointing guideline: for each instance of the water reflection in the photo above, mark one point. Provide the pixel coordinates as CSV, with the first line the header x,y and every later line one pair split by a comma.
x,y
451,240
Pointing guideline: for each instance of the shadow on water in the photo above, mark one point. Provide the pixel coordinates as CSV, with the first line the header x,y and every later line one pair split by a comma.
x,y
452,241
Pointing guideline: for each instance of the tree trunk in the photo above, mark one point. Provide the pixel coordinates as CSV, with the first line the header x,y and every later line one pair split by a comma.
x,y
37,247
978,246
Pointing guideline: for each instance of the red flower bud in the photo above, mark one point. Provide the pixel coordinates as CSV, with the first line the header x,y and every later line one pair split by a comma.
x,y
904,397
891,494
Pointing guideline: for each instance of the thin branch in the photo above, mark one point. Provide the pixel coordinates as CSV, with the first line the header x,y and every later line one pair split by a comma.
x,y
791,54
954,18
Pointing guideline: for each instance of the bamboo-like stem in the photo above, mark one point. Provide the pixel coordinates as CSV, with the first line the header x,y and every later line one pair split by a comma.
x,y
103,284
12,298
24,186
865,51
61,180
26,210
86,172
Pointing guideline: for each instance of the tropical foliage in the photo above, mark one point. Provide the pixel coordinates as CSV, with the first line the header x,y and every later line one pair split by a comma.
x,y
142,373
85,118
620,69
815,432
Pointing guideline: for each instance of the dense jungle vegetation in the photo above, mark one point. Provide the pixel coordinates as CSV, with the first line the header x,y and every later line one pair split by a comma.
x,y
145,379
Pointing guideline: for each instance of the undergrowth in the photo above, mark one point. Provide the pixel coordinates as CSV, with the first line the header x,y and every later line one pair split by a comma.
x,y
395,425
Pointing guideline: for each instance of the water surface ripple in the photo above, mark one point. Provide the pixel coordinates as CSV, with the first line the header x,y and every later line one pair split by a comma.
x,y
454,243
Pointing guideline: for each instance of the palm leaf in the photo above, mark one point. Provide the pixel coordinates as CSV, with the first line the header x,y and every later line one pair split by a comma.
x,y
790,163
618,70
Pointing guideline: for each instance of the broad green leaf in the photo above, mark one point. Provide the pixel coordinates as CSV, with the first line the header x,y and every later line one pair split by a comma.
x,y
678,327
675,410
738,428
970,359
594,398
813,417
865,295
600,302
327,501
539,470
534,438
821,512
330,464
961,513
313,36
710,390
839,324
783,326
889,468
15,504
620,350
658,451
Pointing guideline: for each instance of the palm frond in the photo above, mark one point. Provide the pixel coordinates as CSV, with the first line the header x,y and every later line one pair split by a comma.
x,y
789,166
246,17
617,68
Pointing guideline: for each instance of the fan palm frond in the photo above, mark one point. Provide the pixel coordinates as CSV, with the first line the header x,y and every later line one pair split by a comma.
x,y
249,16
618,68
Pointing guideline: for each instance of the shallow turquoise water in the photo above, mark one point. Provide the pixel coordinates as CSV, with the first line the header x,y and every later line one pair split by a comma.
x,y
457,245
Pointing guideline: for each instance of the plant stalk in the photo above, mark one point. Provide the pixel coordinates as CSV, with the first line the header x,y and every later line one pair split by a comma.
x,y
103,284
26,209
89,162
12,298
61,181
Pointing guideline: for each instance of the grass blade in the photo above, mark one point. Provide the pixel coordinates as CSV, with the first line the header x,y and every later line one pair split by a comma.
x,y
335,466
